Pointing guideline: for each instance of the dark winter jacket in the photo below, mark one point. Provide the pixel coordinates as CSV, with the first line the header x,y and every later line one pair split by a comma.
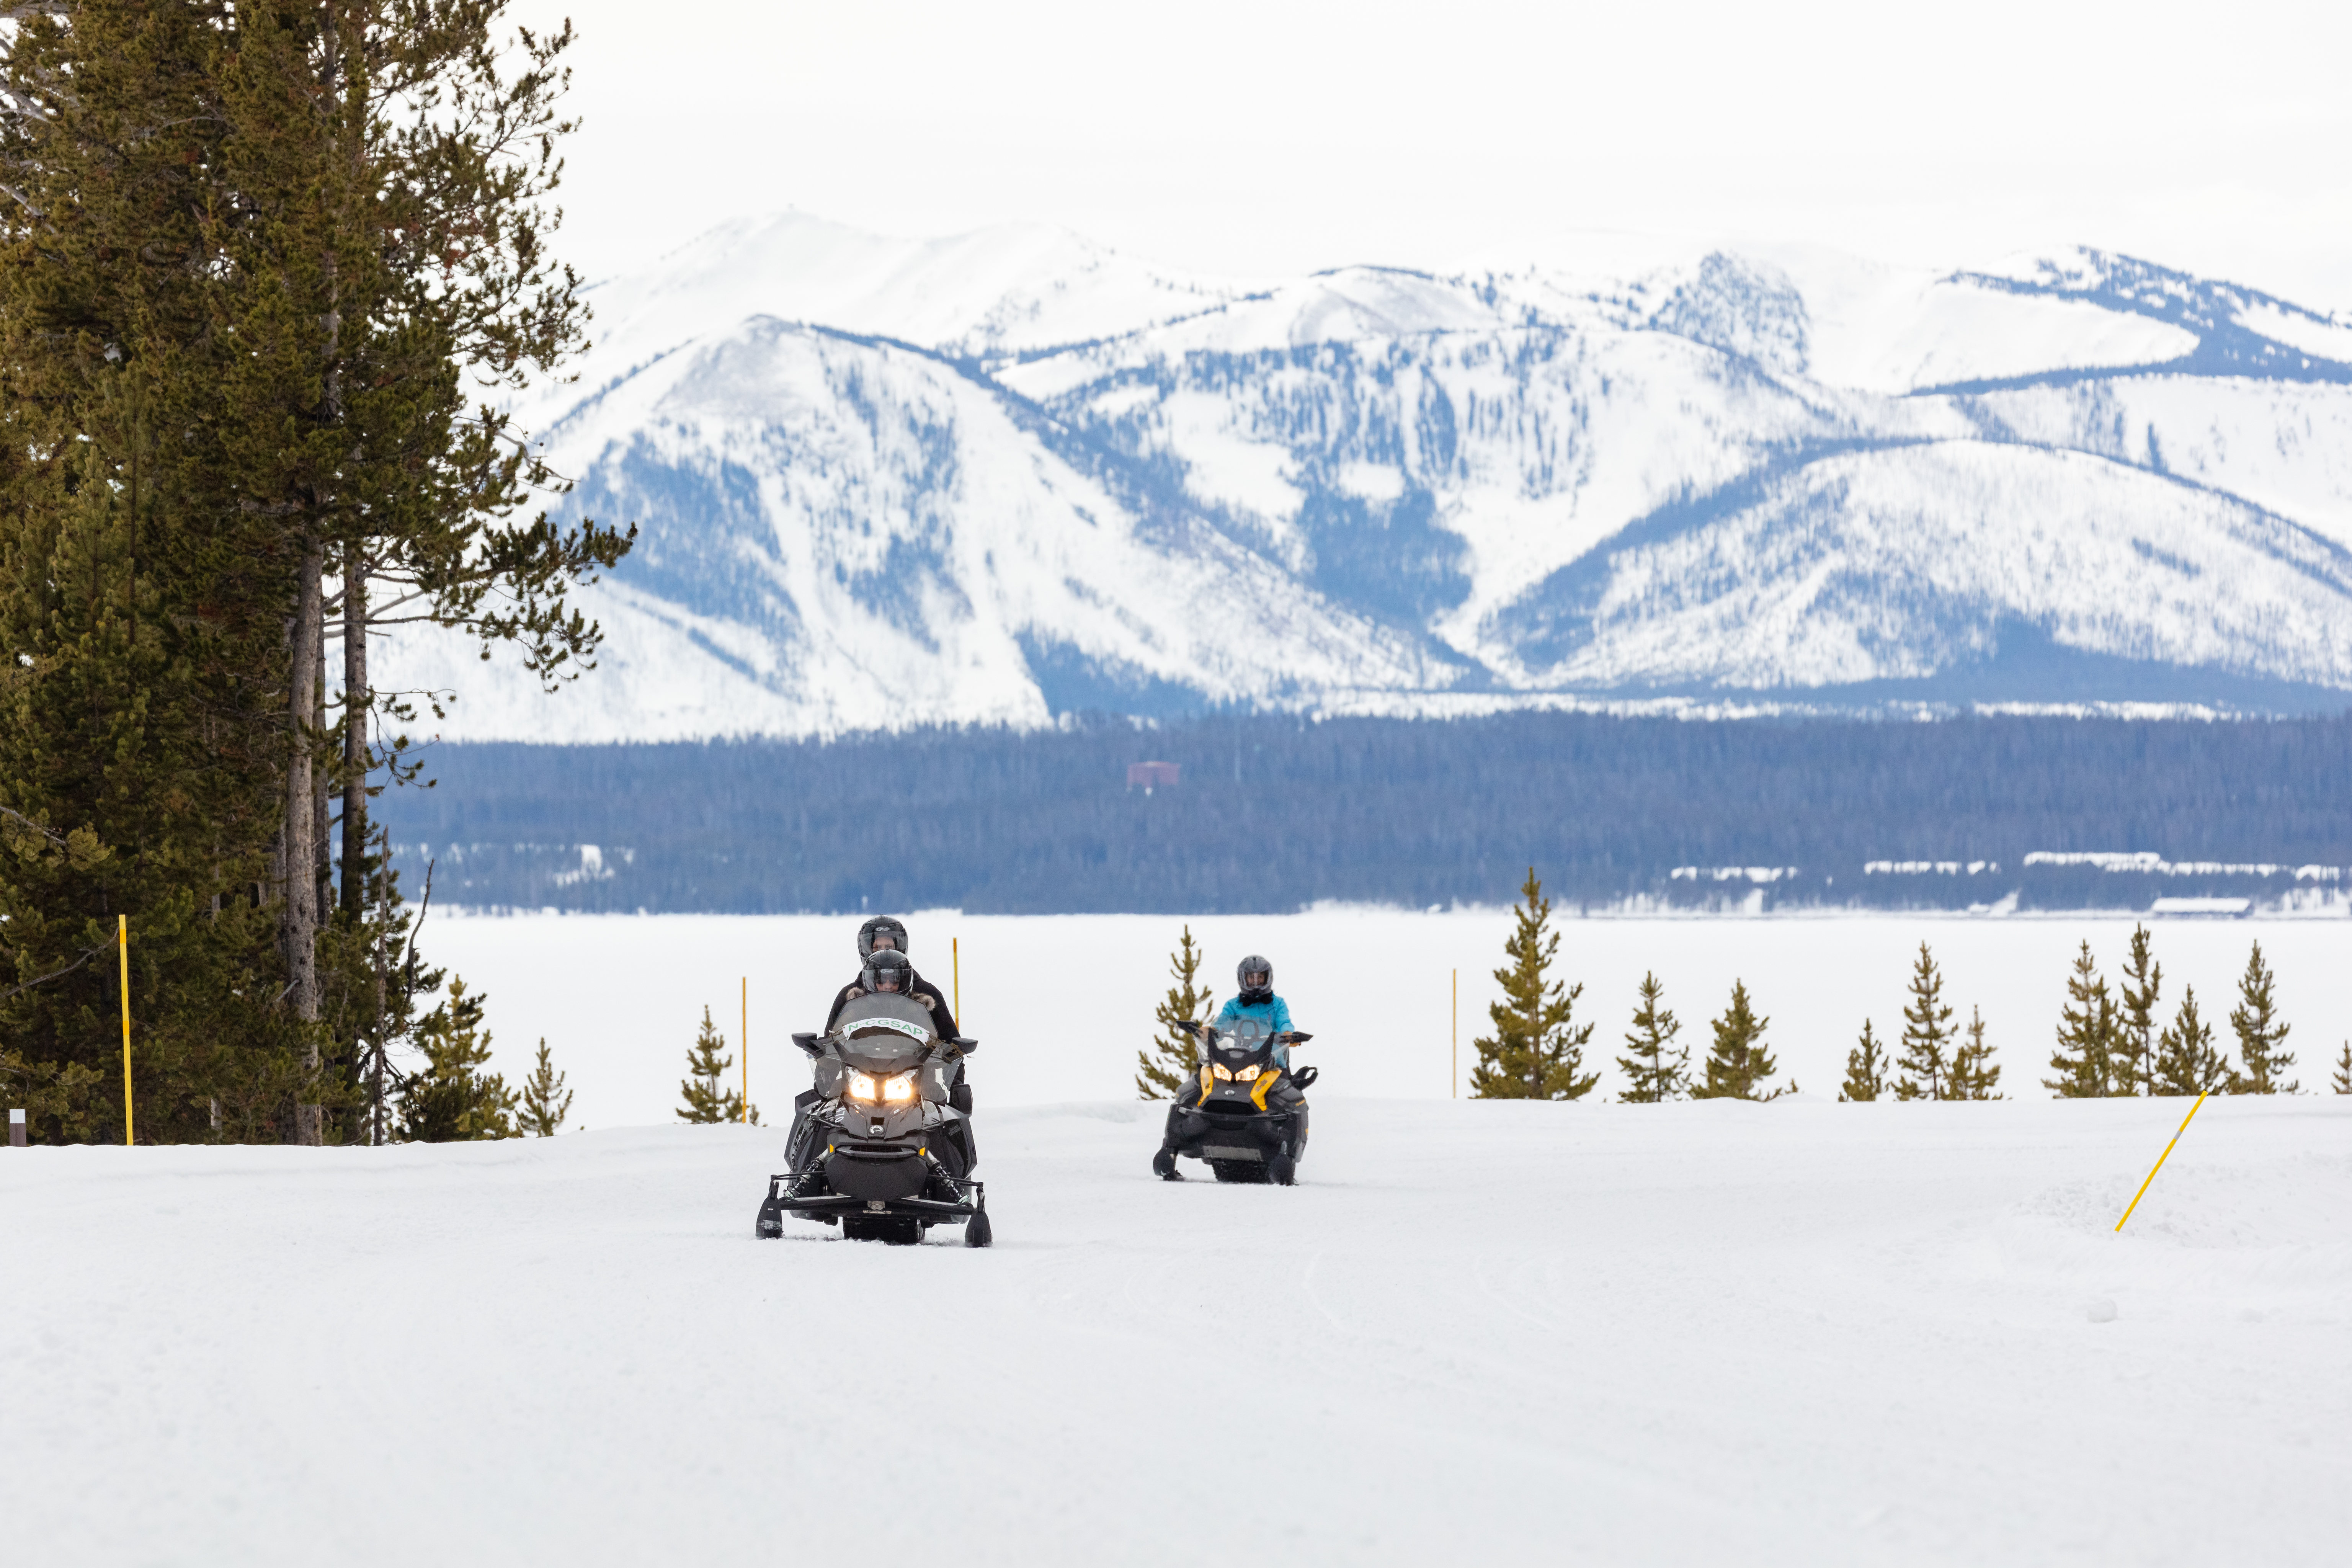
x,y
921,991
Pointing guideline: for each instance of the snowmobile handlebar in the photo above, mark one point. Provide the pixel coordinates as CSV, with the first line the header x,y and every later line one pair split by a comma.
x,y
1287,1037
813,1044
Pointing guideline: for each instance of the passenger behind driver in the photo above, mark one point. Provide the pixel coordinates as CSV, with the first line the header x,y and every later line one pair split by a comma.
x,y
883,934
1255,976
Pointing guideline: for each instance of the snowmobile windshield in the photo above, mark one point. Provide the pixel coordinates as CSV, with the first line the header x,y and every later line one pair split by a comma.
x,y
884,1032
1247,1037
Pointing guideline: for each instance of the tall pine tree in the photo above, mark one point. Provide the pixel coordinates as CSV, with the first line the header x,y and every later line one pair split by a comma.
x,y
1536,1051
1174,1058
2087,1031
1974,1074
1865,1068
1737,1064
141,622
1925,1063
1655,1068
2134,1063
256,250
2260,1032
2186,1061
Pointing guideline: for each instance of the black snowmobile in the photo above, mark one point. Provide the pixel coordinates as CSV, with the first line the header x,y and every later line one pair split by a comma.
x,y
880,1146
1246,1117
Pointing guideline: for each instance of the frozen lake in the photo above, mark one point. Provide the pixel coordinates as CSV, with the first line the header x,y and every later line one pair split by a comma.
x,y
1061,1003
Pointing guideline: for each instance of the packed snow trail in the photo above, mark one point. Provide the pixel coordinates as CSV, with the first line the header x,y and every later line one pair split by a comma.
x,y
1789,1333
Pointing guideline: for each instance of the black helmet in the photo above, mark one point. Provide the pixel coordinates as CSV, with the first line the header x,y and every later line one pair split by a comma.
x,y
1254,965
880,923
890,966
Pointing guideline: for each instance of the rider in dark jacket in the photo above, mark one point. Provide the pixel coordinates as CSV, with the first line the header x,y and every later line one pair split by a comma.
x,y
883,934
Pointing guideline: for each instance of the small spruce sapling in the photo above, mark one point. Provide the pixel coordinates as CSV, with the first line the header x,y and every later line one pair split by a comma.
x,y
452,1099
1655,1068
1536,1051
1737,1064
2343,1079
2087,1033
1974,1074
2186,1061
2134,1064
2255,1021
1173,1060
1865,1068
1927,1032
708,1099
545,1102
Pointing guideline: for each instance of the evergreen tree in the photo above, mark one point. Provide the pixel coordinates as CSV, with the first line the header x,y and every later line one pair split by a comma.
x,y
2255,1021
2343,1079
1173,1060
451,1099
545,1102
1737,1063
2088,1028
1536,1051
138,625
253,251
2186,1061
1974,1074
1928,1030
1865,1069
1655,1068
705,1088
2134,1064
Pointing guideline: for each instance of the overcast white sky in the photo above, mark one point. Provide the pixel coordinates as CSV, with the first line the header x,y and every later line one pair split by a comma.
x,y
1276,136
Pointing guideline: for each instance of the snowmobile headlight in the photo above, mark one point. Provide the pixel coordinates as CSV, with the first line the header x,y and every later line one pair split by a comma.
x,y
1220,1069
900,1088
862,1087
1245,1075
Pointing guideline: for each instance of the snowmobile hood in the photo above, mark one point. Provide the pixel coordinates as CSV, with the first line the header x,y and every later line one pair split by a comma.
x,y
880,1032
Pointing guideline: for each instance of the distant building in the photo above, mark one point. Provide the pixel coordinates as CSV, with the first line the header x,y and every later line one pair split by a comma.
x,y
1149,775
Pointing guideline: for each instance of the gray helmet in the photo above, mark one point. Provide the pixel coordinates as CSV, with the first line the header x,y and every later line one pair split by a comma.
x,y
865,932
1254,965
890,966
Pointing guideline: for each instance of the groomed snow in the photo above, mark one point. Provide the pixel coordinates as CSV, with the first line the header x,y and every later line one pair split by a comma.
x,y
1800,1333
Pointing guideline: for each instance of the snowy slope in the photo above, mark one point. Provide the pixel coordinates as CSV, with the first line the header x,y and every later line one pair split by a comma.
x,y
1800,1333
998,476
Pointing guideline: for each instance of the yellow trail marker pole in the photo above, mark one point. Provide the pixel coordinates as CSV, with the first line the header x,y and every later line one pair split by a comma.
x,y
955,958
745,1041
2161,1159
123,940
1454,1073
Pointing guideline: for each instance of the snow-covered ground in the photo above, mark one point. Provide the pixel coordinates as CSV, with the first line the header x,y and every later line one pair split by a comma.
x,y
1062,1003
1800,1333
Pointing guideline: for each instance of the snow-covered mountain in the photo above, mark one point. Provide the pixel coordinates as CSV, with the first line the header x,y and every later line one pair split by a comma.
x,y
989,479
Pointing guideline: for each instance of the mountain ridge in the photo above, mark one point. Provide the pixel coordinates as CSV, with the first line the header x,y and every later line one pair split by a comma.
x,y
992,477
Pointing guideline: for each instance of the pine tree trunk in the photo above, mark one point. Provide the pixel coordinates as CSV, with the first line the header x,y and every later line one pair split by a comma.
x,y
355,730
300,839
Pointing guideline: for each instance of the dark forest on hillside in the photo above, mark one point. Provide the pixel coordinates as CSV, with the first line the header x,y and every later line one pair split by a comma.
x,y
1273,814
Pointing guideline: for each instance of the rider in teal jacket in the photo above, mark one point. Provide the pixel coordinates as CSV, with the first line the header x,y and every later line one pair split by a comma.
x,y
1255,977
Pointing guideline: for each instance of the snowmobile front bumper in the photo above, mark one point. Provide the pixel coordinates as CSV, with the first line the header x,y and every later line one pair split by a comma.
x,y
811,1196
1246,1134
